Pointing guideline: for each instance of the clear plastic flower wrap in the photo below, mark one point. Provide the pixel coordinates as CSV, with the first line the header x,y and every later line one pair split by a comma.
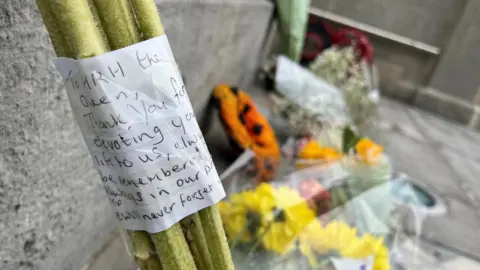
x,y
306,101
325,209
319,216
308,218
336,91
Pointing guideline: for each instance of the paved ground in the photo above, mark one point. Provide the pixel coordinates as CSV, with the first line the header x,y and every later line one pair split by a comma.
x,y
445,157
439,154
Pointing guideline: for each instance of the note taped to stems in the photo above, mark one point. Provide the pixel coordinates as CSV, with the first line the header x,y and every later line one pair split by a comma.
x,y
138,123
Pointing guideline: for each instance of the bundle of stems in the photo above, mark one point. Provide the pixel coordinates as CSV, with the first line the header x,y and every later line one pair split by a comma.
x,y
87,28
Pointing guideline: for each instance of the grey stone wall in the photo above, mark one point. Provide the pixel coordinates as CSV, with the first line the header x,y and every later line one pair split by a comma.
x,y
53,214
428,21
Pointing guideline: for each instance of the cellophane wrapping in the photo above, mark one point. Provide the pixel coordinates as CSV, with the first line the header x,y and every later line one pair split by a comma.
x,y
336,90
331,211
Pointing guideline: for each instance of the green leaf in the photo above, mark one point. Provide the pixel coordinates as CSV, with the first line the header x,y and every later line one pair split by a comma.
x,y
350,139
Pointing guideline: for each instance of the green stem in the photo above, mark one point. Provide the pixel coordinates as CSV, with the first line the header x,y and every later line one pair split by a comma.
x,y
98,23
147,18
193,231
77,24
145,255
150,27
240,235
216,238
118,23
172,249
170,244
56,36
259,240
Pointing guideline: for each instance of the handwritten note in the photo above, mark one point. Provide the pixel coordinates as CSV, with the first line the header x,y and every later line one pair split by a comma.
x,y
137,121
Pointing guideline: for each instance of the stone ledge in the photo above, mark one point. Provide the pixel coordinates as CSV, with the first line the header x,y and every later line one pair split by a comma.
x,y
444,105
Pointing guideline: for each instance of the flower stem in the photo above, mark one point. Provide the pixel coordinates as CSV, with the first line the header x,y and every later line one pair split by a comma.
x,y
241,234
216,238
259,240
78,26
150,27
145,255
170,244
98,23
172,249
193,231
56,36
148,19
118,23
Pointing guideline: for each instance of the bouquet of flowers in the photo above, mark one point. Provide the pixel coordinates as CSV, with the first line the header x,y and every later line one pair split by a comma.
x,y
306,100
275,226
361,157
115,59
355,78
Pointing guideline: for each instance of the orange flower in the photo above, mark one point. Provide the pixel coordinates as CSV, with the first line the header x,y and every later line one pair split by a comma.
x,y
330,154
368,151
313,150
248,128
227,104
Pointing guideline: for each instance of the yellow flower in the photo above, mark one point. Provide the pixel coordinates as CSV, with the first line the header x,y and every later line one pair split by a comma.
x,y
283,221
286,196
381,261
366,246
251,208
307,251
368,151
234,218
338,237
312,233
278,237
295,208
261,200
292,214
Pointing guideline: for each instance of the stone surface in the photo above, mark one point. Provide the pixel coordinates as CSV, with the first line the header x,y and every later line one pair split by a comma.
x,y
468,171
49,194
220,41
427,21
424,164
456,73
456,230
401,69
447,134
461,263
113,256
445,107
415,258
397,118
446,160
53,212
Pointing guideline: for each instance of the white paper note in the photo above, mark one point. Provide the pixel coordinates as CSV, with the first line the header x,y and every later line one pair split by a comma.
x,y
137,121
